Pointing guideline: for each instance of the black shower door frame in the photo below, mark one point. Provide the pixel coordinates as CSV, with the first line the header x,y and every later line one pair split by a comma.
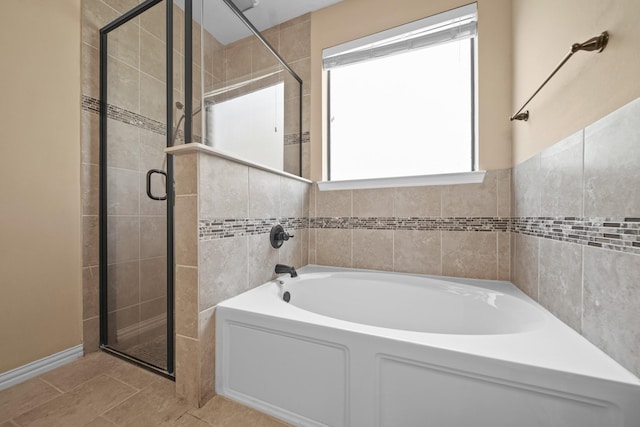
x,y
104,32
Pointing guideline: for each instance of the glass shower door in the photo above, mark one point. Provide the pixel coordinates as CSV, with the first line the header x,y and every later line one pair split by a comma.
x,y
136,244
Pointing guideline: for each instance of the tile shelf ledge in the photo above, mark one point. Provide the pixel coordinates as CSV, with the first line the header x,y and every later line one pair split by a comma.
x,y
196,147
475,177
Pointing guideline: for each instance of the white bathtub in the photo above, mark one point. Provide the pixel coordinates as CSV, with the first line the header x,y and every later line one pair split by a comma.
x,y
361,348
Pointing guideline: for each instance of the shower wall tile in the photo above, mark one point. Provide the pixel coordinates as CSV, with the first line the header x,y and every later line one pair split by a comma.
x,y
504,256
123,238
188,370
294,40
152,105
418,201
153,61
123,6
154,309
186,230
90,180
124,45
471,199
261,58
262,259
91,71
90,137
417,251
226,185
561,177
611,301
153,236
293,195
525,273
154,20
90,335
150,206
526,188
469,254
186,300
333,203
95,14
238,60
291,252
560,280
124,145
264,194
123,86
313,259
303,69
90,243
123,327
90,292
222,270
333,247
153,278
151,149
373,203
123,287
123,192
373,249
612,162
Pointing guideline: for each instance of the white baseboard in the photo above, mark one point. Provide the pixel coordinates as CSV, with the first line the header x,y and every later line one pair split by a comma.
x,y
33,369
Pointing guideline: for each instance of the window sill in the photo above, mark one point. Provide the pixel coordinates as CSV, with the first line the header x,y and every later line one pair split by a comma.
x,y
475,177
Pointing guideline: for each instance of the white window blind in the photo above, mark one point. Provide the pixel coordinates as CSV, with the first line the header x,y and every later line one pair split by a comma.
x,y
455,24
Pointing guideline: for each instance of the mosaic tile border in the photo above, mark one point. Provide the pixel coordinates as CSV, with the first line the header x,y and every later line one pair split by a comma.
x,y
223,228
292,138
617,234
114,112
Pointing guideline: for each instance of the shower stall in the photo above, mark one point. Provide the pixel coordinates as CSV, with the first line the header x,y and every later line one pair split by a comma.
x,y
176,72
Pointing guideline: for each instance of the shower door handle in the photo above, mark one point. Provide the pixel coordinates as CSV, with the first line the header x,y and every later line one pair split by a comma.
x,y
149,173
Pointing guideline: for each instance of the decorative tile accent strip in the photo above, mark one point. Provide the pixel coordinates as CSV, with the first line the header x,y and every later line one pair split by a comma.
x,y
292,138
128,117
222,228
618,234
495,224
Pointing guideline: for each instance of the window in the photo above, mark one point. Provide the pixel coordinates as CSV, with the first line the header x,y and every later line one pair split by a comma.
x,y
401,102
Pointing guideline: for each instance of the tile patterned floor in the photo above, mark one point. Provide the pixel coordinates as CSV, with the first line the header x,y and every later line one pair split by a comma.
x,y
100,390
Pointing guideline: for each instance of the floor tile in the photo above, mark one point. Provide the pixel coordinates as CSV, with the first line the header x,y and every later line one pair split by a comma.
x,y
150,407
83,404
24,397
222,412
75,373
186,420
100,422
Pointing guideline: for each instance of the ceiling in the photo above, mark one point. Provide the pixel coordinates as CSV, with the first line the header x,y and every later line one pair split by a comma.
x,y
222,24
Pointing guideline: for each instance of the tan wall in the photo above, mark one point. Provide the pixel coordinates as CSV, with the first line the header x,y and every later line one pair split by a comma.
x,y
590,85
352,19
40,262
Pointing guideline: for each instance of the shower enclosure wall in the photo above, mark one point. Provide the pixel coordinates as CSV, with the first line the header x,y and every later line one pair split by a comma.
x,y
228,89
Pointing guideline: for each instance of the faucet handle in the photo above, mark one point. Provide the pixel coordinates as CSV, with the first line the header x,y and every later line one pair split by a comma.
x,y
278,236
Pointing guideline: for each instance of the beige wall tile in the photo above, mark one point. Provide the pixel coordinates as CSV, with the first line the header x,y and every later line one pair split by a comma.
x,y
504,256
290,253
154,20
238,60
333,247
124,43
148,206
123,239
418,201
95,15
123,150
612,304
123,86
333,203
504,192
123,288
152,309
123,192
469,254
373,249
90,242
90,292
560,281
152,98
293,195
223,270
186,175
417,251
225,188
90,182
471,199
90,71
151,148
186,294
188,370
264,194
90,138
90,335
153,278
525,188
373,203
295,41
303,69
312,246
123,6
153,236
121,321
525,273
186,230
153,57
262,260
207,332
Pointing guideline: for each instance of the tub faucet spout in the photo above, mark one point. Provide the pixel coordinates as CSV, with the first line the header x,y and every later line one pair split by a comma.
x,y
281,268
